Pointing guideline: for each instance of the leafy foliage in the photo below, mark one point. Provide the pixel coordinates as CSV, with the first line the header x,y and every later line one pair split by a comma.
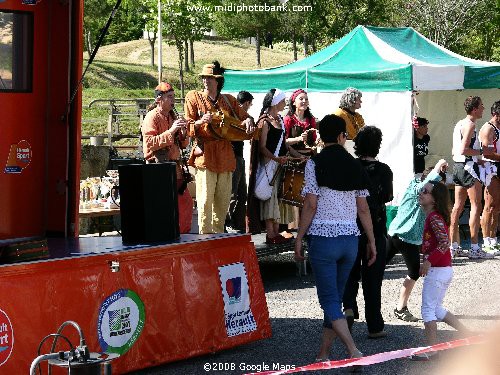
x,y
127,23
469,27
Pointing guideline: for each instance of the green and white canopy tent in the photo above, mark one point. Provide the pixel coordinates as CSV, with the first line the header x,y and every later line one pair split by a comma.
x,y
400,72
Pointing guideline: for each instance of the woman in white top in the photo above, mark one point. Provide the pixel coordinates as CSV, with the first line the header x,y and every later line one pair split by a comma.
x,y
335,194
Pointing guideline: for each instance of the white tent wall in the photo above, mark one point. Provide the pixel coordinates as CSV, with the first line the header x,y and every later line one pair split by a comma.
x,y
444,109
389,111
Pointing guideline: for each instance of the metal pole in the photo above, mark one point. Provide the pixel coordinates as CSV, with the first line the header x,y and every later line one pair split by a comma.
x,y
44,357
160,63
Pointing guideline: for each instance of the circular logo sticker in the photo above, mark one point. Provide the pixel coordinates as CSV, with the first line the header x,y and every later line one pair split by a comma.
x,y
6,338
121,320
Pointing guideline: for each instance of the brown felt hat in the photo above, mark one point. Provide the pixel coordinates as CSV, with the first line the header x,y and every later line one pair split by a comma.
x,y
208,71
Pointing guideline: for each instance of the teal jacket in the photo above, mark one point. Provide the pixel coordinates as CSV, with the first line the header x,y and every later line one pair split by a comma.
x,y
408,224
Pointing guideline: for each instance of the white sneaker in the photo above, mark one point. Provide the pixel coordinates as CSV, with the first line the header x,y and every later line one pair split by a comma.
x,y
494,250
458,252
479,254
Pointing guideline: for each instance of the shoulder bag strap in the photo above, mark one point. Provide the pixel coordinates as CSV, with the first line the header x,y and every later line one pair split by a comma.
x,y
277,151
230,106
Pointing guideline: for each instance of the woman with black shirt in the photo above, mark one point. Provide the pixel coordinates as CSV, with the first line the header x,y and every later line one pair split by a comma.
x,y
366,147
335,195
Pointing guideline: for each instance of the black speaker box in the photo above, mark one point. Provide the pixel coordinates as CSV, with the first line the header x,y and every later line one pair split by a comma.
x,y
148,203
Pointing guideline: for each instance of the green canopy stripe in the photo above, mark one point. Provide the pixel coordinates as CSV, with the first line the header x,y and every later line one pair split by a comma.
x,y
372,59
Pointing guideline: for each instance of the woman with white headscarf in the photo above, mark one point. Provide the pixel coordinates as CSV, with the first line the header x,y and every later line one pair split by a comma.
x,y
272,131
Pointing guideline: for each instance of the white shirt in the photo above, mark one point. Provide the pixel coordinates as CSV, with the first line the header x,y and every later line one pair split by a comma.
x,y
336,210
496,142
457,142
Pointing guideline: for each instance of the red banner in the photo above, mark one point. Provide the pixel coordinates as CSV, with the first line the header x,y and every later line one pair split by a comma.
x,y
151,306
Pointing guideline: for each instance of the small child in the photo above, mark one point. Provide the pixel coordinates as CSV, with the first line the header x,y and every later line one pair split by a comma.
x,y
436,263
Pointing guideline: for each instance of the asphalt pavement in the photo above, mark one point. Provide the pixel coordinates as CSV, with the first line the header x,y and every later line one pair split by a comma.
x,y
296,320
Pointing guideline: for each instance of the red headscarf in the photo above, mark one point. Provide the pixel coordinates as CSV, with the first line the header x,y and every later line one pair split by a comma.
x,y
295,94
162,88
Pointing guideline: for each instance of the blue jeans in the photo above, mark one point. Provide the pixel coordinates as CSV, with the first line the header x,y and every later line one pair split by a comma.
x,y
332,259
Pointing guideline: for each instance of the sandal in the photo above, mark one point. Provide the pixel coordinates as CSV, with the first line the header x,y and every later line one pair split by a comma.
x,y
279,239
357,368
321,359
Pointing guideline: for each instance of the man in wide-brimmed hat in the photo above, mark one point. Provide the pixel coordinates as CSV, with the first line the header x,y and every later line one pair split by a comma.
x,y
164,134
213,157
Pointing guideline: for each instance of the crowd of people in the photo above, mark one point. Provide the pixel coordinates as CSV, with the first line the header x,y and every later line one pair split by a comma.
x,y
343,215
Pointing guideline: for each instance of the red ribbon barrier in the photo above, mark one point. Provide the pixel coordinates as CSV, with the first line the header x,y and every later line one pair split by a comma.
x,y
379,357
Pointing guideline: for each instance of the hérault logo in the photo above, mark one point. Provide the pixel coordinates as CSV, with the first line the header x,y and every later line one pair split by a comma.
x,y
6,337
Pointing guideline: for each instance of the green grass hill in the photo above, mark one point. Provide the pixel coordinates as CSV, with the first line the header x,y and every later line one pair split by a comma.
x,y
124,70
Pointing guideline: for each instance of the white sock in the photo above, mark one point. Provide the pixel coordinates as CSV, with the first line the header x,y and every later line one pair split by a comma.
x,y
474,246
493,241
454,245
487,241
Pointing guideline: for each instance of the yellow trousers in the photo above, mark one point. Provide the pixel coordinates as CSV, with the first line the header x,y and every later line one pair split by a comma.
x,y
213,194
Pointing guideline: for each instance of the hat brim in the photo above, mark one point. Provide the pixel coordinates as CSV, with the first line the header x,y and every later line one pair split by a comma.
x,y
209,75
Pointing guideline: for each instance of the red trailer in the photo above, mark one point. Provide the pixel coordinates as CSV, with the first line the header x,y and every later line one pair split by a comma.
x,y
149,304
40,63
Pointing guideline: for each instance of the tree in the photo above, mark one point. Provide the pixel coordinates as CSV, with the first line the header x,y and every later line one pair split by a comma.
x,y
248,22
178,26
346,15
93,21
127,23
200,21
150,17
452,23
293,27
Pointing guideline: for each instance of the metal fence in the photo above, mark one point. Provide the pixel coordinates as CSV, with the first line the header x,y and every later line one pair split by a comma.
x,y
119,111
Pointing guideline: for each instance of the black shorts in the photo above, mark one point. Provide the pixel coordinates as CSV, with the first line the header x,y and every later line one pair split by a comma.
x,y
410,253
461,177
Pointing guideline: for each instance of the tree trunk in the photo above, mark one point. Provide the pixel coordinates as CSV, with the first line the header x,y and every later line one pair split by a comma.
x,y
152,45
305,45
88,42
294,44
314,45
257,48
181,73
487,45
191,46
186,59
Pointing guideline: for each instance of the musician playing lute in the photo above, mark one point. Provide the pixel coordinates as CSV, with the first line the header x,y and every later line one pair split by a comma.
x,y
213,156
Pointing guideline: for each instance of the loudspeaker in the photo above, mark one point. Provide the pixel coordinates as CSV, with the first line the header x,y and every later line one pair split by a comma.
x,y
148,203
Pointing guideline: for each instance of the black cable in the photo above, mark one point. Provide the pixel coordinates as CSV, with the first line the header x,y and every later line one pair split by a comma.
x,y
45,338
94,52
